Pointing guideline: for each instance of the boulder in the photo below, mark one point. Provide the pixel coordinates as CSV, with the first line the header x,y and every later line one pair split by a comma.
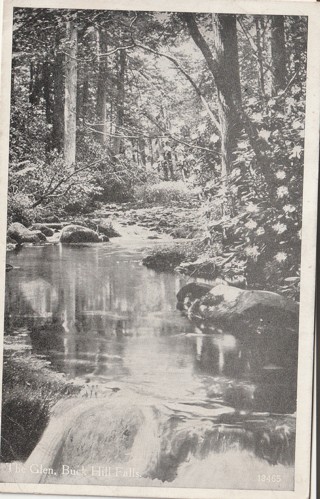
x,y
21,234
55,225
10,240
40,235
230,304
78,234
47,231
106,228
49,219
191,292
163,260
84,223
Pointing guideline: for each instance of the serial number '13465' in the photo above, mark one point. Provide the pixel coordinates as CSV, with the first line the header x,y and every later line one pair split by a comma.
x,y
269,478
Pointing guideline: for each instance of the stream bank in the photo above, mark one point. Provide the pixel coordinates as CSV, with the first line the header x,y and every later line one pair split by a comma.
x,y
29,391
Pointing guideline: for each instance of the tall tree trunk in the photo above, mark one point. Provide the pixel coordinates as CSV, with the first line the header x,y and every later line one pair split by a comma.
x,y
80,83
120,101
58,97
228,89
35,83
70,104
170,165
13,73
278,51
46,80
142,151
58,103
101,100
151,156
85,97
259,28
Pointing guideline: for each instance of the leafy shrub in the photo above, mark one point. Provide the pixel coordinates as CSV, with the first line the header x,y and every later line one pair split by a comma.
x,y
18,211
164,192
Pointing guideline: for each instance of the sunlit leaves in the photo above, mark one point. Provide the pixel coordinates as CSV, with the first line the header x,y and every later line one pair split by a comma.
x,y
264,134
214,138
296,151
257,117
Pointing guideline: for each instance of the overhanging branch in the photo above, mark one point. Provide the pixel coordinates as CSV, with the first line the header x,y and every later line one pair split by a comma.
x,y
190,80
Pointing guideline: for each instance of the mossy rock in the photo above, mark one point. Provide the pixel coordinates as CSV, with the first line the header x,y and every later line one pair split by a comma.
x,y
47,231
22,234
78,234
163,260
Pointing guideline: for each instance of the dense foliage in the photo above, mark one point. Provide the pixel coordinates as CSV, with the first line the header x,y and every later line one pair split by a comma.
x,y
153,120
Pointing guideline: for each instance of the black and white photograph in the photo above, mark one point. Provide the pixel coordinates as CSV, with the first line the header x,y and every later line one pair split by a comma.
x,y
159,171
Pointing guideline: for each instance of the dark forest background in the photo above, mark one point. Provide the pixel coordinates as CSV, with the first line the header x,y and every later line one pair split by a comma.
x,y
198,110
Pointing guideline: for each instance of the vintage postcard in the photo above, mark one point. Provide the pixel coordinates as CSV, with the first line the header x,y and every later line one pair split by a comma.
x,y
159,171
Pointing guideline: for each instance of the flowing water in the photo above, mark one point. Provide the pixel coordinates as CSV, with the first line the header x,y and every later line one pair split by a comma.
x,y
163,402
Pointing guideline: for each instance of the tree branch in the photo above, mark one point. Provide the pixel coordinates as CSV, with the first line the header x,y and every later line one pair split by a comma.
x,y
167,135
253,45
190,80
179,141
204,48
49,193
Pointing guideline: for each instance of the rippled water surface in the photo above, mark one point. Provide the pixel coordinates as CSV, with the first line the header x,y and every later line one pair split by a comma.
x,y
97,315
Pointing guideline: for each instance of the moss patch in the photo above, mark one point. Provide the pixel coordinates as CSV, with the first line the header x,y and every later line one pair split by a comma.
x,y
29,391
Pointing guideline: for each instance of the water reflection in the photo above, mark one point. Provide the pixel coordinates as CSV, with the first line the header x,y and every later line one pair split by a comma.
x,y
96,314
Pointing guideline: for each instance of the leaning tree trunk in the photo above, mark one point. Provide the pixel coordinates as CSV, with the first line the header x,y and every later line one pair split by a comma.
x,y
101,99
223,64
70,104
278,53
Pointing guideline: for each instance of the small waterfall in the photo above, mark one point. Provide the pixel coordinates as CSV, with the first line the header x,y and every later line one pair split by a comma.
x,y
146,447
125,439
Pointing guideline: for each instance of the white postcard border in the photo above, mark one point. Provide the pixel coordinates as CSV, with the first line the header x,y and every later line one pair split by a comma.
x,y
310,195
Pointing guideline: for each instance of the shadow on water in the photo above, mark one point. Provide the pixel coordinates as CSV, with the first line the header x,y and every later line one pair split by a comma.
x,y
98,316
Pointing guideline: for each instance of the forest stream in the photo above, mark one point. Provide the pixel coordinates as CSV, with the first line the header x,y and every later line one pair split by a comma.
x,y
183,133
162,401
